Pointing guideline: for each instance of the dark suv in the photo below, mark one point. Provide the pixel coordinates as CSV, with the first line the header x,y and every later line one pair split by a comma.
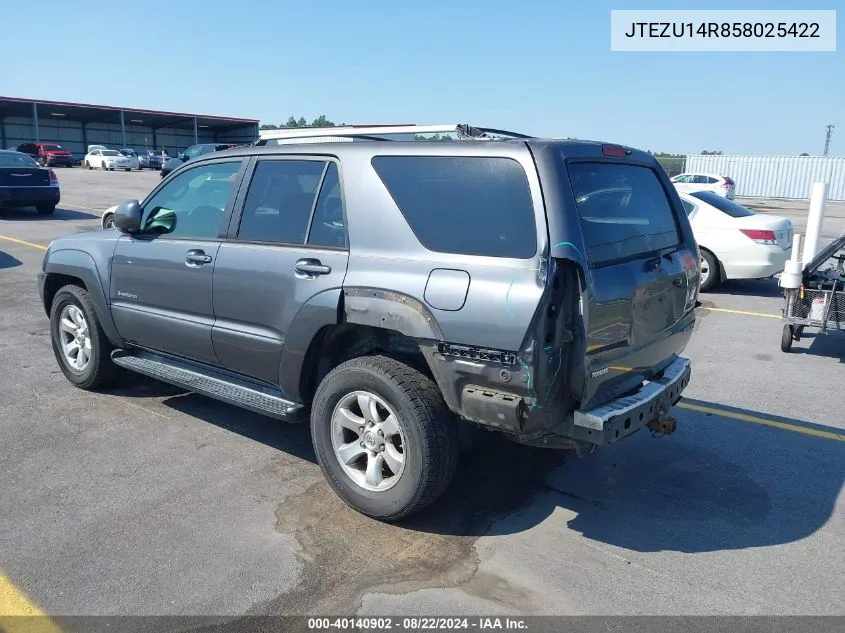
x,y
194,151
390,291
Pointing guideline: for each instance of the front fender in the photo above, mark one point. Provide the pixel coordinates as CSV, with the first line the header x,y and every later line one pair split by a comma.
x,y
80,265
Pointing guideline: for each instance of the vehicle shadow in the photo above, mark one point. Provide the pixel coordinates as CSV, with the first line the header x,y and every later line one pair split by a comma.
x,y
294,439
8,261
814,343
749,288
718,484
61,213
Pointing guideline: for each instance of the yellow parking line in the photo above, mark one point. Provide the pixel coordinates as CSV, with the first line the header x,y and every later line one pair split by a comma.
x,y
745,417
40,247
759,314
19,615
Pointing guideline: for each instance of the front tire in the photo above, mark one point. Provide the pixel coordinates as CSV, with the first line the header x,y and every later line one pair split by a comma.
x,y
786,339
79,343
108,221
709,271
384,437
88,165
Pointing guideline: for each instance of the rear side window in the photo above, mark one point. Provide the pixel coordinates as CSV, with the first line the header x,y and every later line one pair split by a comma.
x,y
623,209
733,209
279,201
466,205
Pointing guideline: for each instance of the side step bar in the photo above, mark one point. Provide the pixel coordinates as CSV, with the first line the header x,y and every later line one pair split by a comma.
x,y
214,384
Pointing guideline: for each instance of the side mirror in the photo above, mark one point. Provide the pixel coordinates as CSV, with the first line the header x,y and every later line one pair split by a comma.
x,y
127,217
184,157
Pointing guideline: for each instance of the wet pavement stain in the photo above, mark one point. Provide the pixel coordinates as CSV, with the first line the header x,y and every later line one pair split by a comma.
x,y
346,555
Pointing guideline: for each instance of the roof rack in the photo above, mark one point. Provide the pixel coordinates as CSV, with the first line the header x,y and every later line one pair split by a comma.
x,y
461,131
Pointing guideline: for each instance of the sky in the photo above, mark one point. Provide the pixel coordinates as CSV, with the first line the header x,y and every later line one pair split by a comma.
x,y
541,67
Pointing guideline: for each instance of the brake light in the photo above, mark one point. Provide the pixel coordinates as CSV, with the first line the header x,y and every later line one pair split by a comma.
x,y
726,185
614,150
54,181
761,237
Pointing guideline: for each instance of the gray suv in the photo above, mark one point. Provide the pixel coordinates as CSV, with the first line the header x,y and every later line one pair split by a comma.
x,y
388,292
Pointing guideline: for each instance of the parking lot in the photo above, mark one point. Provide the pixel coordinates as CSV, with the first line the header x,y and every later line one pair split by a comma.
x,y
147,500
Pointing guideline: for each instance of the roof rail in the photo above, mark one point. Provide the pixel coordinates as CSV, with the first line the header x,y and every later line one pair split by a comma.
x,y
462,131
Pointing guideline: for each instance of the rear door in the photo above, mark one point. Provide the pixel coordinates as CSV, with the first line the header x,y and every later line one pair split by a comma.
x,y
288,245
642,273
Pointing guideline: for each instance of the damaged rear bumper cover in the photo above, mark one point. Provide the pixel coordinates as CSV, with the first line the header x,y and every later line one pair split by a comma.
x,y
623,416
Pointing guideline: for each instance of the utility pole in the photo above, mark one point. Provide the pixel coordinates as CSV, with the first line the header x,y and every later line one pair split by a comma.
x,y
827,136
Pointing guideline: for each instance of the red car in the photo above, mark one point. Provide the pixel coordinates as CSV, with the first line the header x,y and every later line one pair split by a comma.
x,y
47,154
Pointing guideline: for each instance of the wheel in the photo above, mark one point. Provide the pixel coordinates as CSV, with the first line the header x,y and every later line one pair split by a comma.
x,y
108,221
384,438
786,339
79,343
798,332
129,169
709,271
45,209
104,166
88,165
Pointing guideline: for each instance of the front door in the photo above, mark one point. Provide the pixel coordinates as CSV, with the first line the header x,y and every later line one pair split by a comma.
x,y
289,245
161,278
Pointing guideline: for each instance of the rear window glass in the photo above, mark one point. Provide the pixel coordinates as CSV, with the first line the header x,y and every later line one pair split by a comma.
x,y
466,205
624,211
731,208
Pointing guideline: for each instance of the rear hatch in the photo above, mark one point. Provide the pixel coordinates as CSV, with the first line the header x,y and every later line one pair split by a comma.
x,y
642,266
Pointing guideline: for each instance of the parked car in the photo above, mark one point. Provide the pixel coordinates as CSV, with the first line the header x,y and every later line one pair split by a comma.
x,y
134,160
148,159
735,242
25,183
47,154
107,159
194,151
422,289
722,185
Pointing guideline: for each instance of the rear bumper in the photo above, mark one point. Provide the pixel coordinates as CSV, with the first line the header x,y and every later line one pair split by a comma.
x,y
26,196
621,417
755,262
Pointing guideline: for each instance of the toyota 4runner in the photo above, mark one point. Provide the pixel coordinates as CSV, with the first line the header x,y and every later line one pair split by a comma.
x,y
390,291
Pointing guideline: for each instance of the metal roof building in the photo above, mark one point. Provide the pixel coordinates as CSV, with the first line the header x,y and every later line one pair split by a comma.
x,y
77,125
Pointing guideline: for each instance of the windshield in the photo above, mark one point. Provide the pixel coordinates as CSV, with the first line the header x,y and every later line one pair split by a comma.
x,y
724,205
51,148
16,160
111,152
127,152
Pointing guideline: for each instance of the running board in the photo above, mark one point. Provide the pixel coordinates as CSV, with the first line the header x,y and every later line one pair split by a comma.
x,y
214,384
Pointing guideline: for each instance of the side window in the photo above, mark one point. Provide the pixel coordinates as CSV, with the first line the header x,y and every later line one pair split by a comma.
x,y
460,204
192,205
328,227
700,180
193,152
279,201
689,207
711,180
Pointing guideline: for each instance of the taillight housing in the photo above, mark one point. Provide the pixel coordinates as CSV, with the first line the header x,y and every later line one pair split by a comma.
x,y
54,180
760,236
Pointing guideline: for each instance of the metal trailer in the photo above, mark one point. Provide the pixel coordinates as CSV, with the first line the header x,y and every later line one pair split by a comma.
x,y
819,301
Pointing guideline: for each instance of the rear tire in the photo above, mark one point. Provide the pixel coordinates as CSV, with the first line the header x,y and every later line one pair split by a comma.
x,y
710,264
786,339
45,209
74,326
88,165
425,427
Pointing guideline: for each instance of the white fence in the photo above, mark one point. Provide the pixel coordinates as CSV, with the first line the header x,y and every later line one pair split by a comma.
x,y
789,177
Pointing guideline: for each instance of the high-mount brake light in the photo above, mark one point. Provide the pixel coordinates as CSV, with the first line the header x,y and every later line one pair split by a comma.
x,y
614,150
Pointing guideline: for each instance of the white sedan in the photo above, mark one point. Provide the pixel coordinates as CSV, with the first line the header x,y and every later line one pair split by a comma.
x,y
735,242
688,183
106,159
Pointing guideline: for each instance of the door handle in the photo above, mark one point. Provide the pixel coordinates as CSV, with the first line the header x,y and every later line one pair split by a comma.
x,y
197,258
312,267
